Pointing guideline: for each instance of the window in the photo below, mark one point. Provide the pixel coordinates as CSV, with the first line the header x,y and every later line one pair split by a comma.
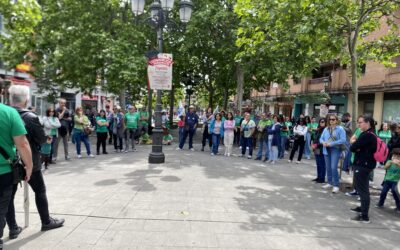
x,y
369,108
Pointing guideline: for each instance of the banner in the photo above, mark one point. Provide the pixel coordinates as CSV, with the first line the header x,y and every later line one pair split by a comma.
x,y
159,71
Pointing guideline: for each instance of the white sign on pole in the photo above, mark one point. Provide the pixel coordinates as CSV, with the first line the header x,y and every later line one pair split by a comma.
x,y
159,71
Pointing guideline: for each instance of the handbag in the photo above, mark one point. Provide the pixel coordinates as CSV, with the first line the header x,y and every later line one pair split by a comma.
x,y
88,130
17,166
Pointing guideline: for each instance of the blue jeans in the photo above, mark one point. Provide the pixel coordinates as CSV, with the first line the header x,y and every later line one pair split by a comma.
x,y
182,137
331,163
321,169
281,153
215,143
79,137
247,143
53,143
307,151
262,149
389,185
273,151
347,159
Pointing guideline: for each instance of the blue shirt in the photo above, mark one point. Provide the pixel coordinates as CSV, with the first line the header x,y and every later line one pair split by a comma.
x,y
337,138
191,120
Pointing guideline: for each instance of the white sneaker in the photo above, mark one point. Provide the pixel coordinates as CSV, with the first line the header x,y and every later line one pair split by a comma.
x,y
308,158
290,161
126,151
335,190
298,162
192,149
228,155
326,186
79,156
212,154
273,162
178,149
91,156
249,157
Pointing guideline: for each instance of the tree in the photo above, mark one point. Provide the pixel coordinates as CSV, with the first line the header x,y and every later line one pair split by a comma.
x,y
20,19
296,36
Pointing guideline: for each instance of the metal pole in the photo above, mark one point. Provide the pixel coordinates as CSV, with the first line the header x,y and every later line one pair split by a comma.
x,y
157,156
26,204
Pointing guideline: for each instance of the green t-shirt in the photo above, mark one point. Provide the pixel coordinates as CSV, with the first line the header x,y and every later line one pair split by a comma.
x,y
101,128
313,127
167,137
11,125
357,133
145,115
393,173
286,133
385,135
132,120
237,119
80,126
263,123
53,132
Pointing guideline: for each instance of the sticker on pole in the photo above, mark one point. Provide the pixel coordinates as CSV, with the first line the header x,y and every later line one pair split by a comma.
x,y
159,71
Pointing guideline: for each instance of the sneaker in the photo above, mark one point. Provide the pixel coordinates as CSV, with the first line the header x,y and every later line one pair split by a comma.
x,y
241,155
126,151
54,223
192,149
249,157
91,156
105,153
298,162
79,156
212,154
378,206
258,159
356,210
352,193
273,162
290,161
360,218
15,232
326,186
177,149
308,158
229,155
116,151
335,190
67,158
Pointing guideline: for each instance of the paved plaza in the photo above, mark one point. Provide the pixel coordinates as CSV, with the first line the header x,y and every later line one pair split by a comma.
x,y
195,201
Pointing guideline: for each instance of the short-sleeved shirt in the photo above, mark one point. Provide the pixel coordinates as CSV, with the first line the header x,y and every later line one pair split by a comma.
x,y
11,125
101,128
144,114
247,126
238,119
132,120
393,173
287,125
385,135
167,137
313,127
191,120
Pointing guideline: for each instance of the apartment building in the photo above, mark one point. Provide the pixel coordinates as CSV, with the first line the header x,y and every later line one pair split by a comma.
x,y
379,90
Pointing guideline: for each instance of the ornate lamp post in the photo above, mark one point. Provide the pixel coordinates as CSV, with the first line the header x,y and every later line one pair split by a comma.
x,y
159,19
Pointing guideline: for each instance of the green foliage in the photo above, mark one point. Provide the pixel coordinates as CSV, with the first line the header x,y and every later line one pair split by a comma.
x,y
20,19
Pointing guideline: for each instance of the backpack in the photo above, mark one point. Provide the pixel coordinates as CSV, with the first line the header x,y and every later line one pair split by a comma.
x,y
382,150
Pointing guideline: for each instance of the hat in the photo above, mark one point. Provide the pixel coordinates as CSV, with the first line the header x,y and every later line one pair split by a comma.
x,y
191,107
130,106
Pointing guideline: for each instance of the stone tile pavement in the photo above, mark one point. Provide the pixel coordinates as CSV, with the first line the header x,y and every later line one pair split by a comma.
x,y
195,201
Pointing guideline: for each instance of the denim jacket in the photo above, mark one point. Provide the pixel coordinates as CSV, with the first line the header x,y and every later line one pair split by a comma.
x,y
337,138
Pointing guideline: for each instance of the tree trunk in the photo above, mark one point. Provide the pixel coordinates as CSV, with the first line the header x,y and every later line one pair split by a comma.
x,y
354,87
240,83
226,93
211,97
122,99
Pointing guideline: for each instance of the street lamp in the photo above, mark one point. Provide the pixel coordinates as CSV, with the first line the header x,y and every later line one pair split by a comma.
x,y
159,19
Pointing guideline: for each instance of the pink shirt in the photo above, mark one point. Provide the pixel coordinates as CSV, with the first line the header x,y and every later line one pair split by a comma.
x,y
229,125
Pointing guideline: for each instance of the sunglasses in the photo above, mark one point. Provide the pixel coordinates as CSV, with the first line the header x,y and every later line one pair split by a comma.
x,y
332,119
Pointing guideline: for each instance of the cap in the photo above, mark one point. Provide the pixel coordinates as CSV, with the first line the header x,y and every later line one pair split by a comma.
x,y
191,107
130,106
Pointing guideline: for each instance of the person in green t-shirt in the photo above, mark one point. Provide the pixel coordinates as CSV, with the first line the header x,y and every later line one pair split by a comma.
x,y
12,137
81,122
261,138
132,121
312,127
384,133
144,121
167,139
391,180
285,132
102,131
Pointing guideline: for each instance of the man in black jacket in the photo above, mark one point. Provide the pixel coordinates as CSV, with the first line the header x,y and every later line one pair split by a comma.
x,y
364,163
19,96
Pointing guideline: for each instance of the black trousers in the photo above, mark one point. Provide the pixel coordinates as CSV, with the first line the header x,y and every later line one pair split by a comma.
x,y
5,197
206,136
299,143
101,140
110,136
39,188
236,138
361,178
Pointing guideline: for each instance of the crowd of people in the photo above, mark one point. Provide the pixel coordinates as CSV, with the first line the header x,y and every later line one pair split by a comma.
x,y
329,139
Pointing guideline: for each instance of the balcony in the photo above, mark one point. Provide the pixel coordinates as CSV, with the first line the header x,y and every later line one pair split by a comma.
x,y
320,80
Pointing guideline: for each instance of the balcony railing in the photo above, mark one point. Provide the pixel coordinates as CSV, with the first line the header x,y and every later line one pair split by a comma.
x,y
320,80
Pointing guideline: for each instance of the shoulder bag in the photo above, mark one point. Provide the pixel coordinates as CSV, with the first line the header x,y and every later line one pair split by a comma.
x,y
17,166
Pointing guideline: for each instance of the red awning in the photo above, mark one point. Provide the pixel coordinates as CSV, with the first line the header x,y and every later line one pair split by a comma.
x,y
19,81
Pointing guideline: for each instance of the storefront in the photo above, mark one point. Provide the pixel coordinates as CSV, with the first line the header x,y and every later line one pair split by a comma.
x,y
391,107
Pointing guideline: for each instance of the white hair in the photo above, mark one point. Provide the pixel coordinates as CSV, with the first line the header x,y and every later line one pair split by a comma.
x,y
19,94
